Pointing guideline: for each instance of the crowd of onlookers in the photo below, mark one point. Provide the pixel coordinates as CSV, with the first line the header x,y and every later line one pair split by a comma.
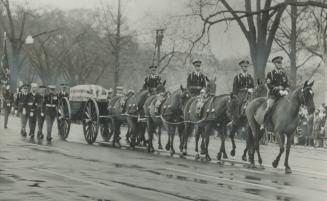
x,y
312,128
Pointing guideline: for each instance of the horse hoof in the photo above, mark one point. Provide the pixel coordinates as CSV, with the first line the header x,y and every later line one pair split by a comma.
x,y
208,158
203,152
184,153
167,147
232,153
252,166
262,167
275,164
160,147
197,156
288,171
225,156
244,158
219,156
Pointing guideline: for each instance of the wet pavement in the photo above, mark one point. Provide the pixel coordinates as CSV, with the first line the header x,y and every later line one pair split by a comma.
x,y
73,170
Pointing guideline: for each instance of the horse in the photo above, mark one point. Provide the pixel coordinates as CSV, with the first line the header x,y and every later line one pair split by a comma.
x,y
218,111
172,115
260,90
152,109
284,120
116,109
136,114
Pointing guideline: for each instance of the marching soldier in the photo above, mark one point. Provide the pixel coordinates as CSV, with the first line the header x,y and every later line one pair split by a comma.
x,y
277,83
16,94
196,80
8,101
21,108
40,111
152,81
31,108
51,103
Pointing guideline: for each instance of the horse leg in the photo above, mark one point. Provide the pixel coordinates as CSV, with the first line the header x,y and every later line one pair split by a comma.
x,y
172,133
197,137
132,131
222,145
151,127
232,137
169,138
281,141
207,133
188,130
116,135
128,135
288,149
159,137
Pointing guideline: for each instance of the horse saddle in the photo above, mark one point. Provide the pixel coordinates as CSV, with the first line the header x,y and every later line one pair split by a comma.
x,y
200,104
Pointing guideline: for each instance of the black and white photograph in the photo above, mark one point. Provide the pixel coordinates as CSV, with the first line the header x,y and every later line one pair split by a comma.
x,y
163,100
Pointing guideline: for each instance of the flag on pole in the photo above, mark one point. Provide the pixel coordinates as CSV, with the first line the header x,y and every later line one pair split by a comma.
x,y
5,70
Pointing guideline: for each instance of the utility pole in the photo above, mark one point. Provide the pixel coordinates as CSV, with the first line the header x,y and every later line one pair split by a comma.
x,y
159,37
117,47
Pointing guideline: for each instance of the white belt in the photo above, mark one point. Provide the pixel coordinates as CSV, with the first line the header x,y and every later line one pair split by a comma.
x,y
49,105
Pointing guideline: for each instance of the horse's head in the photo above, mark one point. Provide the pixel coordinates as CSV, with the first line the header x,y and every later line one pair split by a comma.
x,y
233,106
211,86
176,101
260,90
161,87
307,97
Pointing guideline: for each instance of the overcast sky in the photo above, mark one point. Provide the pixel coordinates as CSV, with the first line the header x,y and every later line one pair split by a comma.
x,y
223,44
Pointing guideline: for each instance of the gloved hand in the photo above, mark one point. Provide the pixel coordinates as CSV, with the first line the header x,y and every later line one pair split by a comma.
x,y
250,90
281,92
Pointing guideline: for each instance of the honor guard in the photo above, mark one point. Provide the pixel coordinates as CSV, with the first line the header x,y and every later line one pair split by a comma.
x,y
31,108
277,83
21,108
152,81
196,80
243,82
40,110
8,101
51,103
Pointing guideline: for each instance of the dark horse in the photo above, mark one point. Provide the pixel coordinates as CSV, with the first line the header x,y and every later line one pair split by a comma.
x,y
260,90
217,112
153,108
116,108
136,115
172,115
284,120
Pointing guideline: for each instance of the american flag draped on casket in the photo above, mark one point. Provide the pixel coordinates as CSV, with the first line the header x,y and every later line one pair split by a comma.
x,y
86,92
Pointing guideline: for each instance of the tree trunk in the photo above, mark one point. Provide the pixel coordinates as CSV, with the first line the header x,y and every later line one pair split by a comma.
x,y
293,50
117,48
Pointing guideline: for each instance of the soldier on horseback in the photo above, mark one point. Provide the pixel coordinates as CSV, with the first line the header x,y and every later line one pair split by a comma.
x,y
196,80
152,81
277,83
243,83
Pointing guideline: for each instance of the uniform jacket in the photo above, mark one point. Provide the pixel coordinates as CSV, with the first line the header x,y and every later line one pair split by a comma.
x,y
21,101
195,79
8,99
242,82
151,81
51,103
276,79
32,101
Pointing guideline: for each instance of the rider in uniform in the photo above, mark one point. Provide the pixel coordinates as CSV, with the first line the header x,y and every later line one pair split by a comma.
x,y
196,80
277,83
8,101
31,108
243,83
40,111
152,81
21,107
51,103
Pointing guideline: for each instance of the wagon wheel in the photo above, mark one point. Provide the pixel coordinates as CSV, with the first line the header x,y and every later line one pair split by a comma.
x,y
106,129
90,121
64,118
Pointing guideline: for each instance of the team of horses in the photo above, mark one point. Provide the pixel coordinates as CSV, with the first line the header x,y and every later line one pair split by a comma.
x,y
177,112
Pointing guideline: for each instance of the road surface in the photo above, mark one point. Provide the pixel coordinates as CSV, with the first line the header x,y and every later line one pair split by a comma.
x,y
73,170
